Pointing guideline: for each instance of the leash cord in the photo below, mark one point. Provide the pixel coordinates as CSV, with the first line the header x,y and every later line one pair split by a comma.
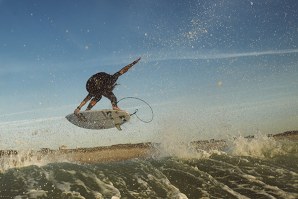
x,y
135,112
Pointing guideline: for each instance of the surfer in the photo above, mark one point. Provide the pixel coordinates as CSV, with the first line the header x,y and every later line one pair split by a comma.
x,y
102,84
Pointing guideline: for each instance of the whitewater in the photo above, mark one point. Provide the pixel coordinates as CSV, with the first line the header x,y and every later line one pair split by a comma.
x,y
251,167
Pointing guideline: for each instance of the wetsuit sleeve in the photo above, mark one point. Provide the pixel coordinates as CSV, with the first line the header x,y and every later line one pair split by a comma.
x,y
127,67
116,75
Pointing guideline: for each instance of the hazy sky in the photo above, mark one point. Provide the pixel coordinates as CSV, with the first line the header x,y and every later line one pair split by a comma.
x,y
209,68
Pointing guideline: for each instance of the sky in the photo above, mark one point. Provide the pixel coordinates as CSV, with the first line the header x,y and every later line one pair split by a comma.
x,y
209,69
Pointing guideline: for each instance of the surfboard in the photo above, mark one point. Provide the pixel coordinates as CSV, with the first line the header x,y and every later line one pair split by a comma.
x,y
99,119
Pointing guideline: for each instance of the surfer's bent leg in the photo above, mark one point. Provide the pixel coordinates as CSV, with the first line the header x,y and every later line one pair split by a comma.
x,y
113,99
87,98
93,102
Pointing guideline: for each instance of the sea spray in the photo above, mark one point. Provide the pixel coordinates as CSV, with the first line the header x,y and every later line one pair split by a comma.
x,y
173,143
16,159
260,146
10,159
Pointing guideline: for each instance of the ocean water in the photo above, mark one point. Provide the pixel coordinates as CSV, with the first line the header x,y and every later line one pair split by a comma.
x,y
261,167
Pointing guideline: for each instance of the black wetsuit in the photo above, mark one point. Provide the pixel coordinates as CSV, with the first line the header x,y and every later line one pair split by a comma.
x,y
102,84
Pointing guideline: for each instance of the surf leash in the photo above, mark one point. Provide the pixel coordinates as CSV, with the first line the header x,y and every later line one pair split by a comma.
x,y
135,112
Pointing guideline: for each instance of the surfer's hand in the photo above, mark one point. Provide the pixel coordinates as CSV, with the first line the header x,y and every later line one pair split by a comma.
x,y
137,60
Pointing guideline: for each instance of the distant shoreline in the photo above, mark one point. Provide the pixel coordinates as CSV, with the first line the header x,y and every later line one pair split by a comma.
x,y
285,135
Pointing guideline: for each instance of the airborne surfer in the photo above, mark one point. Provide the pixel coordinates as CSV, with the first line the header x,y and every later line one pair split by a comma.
x,y
102,84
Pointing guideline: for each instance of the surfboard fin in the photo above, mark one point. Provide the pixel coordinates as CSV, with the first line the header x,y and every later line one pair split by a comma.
x,y
118,127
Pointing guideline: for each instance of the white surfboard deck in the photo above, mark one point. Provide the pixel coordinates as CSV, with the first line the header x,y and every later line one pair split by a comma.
x,y
99,119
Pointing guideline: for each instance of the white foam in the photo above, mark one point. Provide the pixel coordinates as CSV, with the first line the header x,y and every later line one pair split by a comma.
x,y
273,189
172,191
33,193
72,194
21,159
215,182
261,146
107,188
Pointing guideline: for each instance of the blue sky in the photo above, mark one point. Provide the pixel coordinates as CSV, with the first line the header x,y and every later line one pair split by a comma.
x,y
209,68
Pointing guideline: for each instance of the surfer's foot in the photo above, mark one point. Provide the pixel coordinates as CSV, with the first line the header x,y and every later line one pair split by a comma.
x,y
116,108
77,111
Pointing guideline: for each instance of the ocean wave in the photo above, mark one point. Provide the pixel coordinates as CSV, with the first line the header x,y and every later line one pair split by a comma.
x,y
256,167
257,146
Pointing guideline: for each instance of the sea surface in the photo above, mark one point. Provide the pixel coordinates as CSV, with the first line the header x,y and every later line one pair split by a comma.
x,y
255,167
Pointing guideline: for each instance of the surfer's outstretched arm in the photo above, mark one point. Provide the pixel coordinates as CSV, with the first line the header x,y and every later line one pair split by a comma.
x,y
87,98
127,67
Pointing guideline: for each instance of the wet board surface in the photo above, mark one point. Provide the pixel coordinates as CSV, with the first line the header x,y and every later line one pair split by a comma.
x,y
99,119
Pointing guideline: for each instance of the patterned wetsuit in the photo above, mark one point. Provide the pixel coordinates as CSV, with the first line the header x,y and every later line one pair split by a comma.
x,y
102,84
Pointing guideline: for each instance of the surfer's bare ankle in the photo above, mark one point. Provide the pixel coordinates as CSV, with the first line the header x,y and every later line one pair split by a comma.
x,y
77,111
116,108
